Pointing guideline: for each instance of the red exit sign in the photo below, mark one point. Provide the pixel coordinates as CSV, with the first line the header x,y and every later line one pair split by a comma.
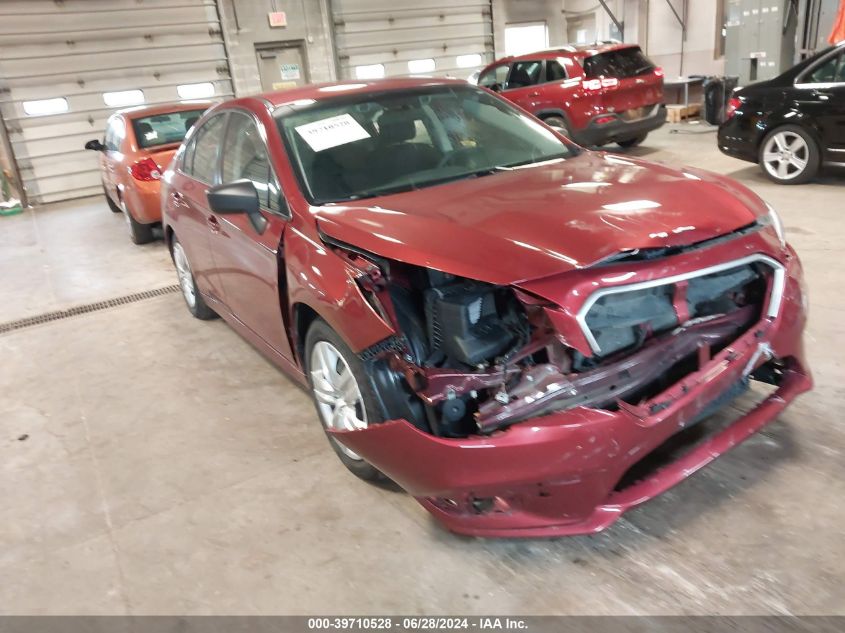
x,y
277,19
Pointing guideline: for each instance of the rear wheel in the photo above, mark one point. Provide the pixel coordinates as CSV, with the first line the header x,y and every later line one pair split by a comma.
x,y
196,304
139,233
559,123
789,156
342,393
631,142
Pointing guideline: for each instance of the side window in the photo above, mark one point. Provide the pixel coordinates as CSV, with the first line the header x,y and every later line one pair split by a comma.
x,y
203,164
831,71
554,71
495,77
111,141
245,156
524,74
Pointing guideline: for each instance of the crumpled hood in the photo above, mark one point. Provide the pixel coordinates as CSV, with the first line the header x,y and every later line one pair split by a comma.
x,y
544,219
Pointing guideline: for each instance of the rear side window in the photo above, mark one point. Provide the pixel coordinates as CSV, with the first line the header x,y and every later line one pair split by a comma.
x,y
626,62
201,159
245,156
163,129
554,71
524,74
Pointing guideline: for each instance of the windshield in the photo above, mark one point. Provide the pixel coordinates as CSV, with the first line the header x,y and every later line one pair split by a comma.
x,y
163,129
380,143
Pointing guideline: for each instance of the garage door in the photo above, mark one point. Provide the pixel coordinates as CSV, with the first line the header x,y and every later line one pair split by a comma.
x,y
376,38
59,59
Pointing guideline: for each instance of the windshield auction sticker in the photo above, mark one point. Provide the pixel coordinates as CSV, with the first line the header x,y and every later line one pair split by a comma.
x,y
331,132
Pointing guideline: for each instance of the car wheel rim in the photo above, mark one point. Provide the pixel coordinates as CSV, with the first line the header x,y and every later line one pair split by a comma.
x,y
183,269
786,155
336,392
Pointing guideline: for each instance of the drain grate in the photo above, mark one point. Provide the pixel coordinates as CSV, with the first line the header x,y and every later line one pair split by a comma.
x,y
58,315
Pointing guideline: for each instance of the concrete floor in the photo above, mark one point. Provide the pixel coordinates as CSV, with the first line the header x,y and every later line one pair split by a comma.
x,y
152,463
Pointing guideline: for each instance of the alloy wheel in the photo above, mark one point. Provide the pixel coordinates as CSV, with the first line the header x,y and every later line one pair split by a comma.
x,y
183,270
336,391
786,155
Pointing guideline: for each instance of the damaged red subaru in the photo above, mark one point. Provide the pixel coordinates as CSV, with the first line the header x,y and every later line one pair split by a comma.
x,y
501,322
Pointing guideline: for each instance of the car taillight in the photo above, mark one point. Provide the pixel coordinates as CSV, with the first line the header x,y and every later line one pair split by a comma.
x,y
733,105
597,84
658,71
145,169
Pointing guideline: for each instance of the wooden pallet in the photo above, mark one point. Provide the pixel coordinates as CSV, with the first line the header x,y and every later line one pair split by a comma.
x,y
678,113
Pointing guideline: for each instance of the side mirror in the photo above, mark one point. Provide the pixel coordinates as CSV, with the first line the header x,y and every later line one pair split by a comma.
x,y
95,145
238,197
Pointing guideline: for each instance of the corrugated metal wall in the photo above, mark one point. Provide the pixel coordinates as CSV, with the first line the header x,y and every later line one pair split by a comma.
x,y
395,32
79,49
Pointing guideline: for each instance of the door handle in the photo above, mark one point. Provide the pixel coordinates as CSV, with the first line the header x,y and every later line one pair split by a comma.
x,y
178,199
214,224
824,96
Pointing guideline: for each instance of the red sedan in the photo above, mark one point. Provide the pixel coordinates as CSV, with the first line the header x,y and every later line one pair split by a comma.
x,y
503,323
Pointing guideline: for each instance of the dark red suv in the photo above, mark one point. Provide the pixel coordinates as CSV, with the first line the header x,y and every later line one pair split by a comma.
x,y
595,94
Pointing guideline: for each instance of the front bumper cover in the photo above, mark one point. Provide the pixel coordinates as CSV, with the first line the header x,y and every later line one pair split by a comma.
x,y
556,475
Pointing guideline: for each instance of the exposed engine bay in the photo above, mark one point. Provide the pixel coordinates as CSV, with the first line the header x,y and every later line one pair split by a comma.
x,y
471,358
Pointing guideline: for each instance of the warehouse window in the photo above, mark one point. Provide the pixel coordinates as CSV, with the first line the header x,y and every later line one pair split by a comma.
x,y
421,65
42,107
526,38
468,61
123,98
196,91
373,71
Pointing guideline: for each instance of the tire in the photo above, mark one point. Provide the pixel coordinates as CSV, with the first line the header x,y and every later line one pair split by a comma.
x,y
320,340
631,142
190,293
114,208
559,123
789,156
138,233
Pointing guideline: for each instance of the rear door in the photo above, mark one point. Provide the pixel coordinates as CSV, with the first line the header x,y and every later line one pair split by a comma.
x,y
187,198
625,80
248,261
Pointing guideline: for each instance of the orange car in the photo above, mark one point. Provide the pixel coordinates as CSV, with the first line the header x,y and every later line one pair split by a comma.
x,y
138,146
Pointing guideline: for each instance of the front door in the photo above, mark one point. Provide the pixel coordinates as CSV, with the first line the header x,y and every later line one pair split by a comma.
x,y
821,94
248,261
197,172
281,67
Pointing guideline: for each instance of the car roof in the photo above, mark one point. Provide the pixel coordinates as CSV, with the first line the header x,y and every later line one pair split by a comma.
x,y
331,90
164,108
574,50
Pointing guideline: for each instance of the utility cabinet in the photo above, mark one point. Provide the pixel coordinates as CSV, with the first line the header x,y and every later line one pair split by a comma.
x,y
760,39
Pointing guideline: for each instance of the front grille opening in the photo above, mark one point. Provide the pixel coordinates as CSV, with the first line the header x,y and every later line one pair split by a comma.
x,y
709,422
620,322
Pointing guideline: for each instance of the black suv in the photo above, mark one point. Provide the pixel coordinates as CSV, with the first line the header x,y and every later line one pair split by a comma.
x,y
792,124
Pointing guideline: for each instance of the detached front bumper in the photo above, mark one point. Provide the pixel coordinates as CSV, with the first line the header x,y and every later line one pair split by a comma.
x,y
557,474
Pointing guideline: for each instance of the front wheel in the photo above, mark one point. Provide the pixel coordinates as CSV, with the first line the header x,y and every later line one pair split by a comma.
x,y
789,156
196,304
341,392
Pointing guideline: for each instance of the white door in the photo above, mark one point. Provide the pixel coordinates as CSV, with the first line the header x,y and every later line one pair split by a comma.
x,y
389,38
58,59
